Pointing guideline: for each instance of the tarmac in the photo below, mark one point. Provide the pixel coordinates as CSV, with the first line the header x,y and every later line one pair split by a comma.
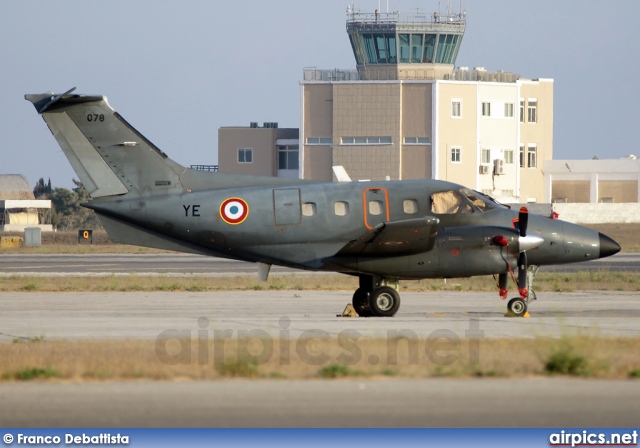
x,y
451,403
520,402
294,314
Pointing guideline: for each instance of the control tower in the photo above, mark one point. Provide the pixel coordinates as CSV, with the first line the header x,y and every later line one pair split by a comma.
x,y
390,46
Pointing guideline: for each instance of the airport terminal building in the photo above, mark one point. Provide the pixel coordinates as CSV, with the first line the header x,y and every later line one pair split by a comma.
x,y
406,112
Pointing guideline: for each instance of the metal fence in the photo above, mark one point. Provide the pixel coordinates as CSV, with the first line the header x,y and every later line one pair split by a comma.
x,y
212,168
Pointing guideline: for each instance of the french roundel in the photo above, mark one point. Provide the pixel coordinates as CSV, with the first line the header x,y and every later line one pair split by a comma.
x,y
234,210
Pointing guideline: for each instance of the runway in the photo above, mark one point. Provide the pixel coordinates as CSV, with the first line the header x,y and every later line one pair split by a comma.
x,y
447,402
294,314
540,402
198,265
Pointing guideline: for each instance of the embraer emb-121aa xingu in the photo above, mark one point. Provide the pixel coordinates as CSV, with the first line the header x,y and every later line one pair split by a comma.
x,y
381,232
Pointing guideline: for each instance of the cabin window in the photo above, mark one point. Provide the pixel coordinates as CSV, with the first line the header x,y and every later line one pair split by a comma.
x,y
375,207
308,209
341,208
410,206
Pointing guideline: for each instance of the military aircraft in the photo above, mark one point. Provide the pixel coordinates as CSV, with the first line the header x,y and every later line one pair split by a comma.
x,y
379,231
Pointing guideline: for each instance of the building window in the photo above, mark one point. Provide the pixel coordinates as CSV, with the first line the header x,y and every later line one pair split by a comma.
x,y
521,111
522,157
366,140
507,193
288,157
508,110
532,111
319,140
417,141
308,209
607,200
531,156
508,156
410,206
341,208
456,155
486,109
245,155
456,109
486,156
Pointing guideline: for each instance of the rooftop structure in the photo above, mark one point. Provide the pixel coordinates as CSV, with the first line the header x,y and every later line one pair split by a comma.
x,y
405,46
18,207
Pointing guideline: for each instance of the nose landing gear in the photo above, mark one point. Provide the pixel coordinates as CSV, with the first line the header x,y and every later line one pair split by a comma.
x,y
517,307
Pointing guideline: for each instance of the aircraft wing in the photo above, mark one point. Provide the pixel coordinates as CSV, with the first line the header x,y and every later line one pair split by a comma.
x,y
395,238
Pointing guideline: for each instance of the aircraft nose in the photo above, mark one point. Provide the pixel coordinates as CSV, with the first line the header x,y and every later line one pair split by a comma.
x,y
608,247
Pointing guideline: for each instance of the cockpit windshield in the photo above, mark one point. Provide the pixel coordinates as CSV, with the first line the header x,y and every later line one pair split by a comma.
x,y
481,201
461,201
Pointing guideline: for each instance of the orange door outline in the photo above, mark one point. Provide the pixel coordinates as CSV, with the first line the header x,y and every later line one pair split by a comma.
x,y
366,204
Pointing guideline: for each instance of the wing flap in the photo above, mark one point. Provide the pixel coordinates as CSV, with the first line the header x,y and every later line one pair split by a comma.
x,y
395,238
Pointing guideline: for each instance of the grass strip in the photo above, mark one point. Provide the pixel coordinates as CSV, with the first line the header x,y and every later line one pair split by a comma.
x,y
577,356
601,280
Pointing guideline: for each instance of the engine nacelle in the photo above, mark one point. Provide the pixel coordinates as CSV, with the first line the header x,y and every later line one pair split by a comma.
x,y
467,251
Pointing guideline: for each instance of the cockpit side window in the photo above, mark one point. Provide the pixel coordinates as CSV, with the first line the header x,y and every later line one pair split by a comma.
x,y
446,202
479,201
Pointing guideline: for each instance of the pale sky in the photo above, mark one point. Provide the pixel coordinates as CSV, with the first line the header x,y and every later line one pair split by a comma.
x,y
177,71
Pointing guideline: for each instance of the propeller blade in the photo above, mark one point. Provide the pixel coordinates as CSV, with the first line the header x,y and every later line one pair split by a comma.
x,y
522,270
523,221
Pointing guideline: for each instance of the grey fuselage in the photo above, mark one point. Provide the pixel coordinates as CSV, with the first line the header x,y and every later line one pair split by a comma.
x,y
296,224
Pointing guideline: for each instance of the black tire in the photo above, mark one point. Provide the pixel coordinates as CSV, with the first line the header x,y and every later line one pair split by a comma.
x,y
517,306
360,303
384,301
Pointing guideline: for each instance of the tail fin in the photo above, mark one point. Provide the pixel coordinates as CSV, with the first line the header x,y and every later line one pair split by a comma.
x,y
109,156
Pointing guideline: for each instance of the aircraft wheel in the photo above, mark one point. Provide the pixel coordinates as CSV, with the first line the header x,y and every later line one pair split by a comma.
x,y
360,303
384,301
517,306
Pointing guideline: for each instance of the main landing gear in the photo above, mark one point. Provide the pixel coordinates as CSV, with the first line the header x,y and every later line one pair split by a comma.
x,y
376,296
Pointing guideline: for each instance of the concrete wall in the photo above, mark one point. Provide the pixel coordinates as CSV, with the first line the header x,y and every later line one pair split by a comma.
x,y
580,213
260,140
416,121
571,190
539,133
598,213
498,133
619,190
593,180
367,110
457,132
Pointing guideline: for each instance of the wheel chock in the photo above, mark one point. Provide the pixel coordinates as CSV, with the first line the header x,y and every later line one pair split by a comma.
x,y
349,311
510,314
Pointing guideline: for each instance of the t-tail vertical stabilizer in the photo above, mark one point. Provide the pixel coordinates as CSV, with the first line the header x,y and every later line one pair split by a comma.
x,y
109,156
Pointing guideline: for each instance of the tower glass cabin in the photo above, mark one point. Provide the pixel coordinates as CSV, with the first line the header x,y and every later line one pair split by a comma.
x,y
399,46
